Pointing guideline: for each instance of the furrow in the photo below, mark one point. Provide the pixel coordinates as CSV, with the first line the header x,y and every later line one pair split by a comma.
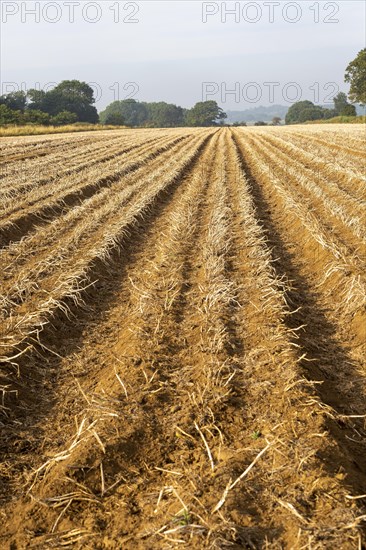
x,y
346,222
73,270
43,206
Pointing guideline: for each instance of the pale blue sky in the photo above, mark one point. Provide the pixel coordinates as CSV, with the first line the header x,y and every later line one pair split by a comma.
x,y
170,52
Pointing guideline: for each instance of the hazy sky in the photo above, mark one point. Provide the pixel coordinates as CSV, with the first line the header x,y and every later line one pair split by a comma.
x,y
160,50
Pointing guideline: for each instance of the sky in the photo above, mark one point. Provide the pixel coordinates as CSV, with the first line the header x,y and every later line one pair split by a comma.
x,y
240,54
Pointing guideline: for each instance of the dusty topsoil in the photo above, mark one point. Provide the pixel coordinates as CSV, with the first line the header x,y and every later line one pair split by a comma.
x,y
207,389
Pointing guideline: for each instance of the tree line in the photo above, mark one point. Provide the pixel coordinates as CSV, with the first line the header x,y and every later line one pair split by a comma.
x,y
73,101
161,114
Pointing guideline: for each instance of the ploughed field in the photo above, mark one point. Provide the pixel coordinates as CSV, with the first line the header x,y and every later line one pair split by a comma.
x,y
182,337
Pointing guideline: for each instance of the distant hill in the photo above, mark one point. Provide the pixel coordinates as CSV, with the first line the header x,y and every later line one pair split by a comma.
x,y
257,113
267,113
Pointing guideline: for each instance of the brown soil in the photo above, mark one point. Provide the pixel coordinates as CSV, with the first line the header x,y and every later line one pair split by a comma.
x,y
204,385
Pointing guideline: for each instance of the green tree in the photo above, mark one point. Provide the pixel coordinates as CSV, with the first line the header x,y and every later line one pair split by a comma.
x,y
349,110
329,113
260,123
132,112
14,100
294,112
302,111
70,95
356,76
9,116
63,118
164,115
311,113
36,99
342,107
239,124
205,113
340,101
276,120
114,119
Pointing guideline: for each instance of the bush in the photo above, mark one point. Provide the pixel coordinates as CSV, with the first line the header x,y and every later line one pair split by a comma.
x,y
9,116
36,117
